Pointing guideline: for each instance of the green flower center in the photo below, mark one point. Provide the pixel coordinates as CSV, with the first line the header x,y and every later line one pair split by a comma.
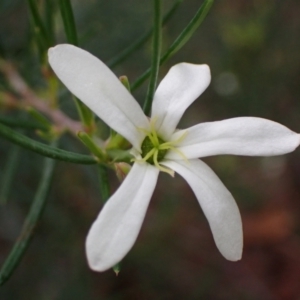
x,y
157,152
154,148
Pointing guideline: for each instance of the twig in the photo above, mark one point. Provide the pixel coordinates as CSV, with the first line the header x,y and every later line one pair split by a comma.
x,y
60,120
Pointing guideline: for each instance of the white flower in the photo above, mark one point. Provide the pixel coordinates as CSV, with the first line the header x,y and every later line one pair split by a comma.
x,y
158,146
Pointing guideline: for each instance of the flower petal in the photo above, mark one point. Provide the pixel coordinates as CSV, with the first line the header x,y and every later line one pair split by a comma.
x,y
183,84
96,86
116,229
217,203
239,136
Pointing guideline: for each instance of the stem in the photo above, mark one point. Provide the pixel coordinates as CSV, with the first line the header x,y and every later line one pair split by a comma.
x,y
69,21
91,145
8,173
189,30
115,155
119,58
49,12
45,150
181,40
30,223
38,23
156,48
60,120
104,183
14,122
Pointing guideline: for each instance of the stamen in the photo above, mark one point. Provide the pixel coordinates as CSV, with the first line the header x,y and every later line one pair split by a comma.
x,y
155,148
155,159
152,139
156,140
181,138
166,170
136,160
143,130
160,167
164,146
153,131
149,154
179,153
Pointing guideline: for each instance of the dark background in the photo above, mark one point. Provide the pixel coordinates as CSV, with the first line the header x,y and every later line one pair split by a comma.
x,y
252,48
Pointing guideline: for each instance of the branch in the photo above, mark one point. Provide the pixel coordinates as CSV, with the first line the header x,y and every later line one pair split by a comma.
x,y
60,120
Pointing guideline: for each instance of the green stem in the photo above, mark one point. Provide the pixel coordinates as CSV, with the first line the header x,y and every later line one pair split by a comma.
x,y
69,21
181,40
40,118
45,150
119,58
49,19
156,49
38,23
8,173
91,145
118,155
189,30
30,223
104,183
14,122
86,115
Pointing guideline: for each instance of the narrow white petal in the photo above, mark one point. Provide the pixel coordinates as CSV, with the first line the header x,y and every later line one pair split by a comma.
x,y
183,84
217,203
115,230
239,136
95,85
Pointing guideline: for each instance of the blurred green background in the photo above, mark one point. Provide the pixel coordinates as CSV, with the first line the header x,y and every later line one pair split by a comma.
x,y
252,48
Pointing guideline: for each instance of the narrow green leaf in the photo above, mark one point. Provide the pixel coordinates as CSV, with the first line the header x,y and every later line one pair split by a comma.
x,y
41,47
156,49
104,183
45,150
125,53
69,21
140,80
181,40
8,173
26,124
40,118
40,28
117,155
49,8
30,223
190,29
86,116
91,145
